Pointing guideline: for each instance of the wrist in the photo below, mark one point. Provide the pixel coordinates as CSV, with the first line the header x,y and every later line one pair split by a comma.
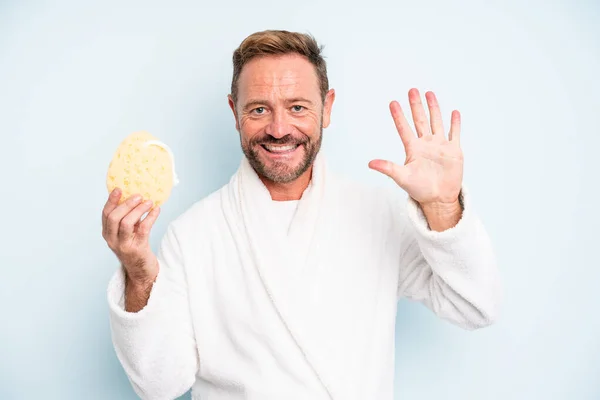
x,y
142,276
442,215
138,285
442,208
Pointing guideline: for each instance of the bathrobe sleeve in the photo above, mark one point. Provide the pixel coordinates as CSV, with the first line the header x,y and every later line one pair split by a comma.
x,y
454,272
156,345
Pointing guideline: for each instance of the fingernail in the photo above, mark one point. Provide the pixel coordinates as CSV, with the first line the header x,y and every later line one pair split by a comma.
x,y
148,203
136,199
116,192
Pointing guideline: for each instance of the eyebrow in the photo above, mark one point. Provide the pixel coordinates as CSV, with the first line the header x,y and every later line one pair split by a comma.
x,y
257,102
299,100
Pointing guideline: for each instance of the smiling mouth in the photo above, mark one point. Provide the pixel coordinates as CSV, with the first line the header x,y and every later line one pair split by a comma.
x,y
280,149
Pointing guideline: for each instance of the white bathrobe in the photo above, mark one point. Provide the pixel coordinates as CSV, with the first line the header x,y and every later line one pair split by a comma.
x,y
241,311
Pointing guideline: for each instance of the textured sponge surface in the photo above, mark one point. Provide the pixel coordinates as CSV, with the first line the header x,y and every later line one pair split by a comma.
x,y
139,168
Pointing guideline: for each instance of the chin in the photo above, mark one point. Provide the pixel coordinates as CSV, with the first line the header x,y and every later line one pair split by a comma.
x,y
282,171
279,168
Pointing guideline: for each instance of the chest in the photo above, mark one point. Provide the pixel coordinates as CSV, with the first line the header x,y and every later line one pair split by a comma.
x,y
276,322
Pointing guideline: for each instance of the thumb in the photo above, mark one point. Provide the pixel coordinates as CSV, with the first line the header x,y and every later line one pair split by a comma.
x,y
144,227
394,171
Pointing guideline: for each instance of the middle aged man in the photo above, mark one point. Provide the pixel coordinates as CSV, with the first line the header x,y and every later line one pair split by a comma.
x,y
284,283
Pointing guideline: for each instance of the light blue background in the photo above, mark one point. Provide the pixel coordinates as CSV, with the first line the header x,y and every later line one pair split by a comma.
x,y
76,79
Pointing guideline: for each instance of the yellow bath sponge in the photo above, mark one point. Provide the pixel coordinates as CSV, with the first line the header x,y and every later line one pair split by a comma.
x,y
142,165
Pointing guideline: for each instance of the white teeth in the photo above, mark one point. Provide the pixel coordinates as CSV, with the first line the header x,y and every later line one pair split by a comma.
x,y
280,149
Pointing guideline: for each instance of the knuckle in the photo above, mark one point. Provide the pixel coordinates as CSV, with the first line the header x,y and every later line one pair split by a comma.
x,y
111,246
133,200
126,224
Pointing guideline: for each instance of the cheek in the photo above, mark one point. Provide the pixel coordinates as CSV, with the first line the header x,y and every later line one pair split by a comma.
x,y
250,128
308,125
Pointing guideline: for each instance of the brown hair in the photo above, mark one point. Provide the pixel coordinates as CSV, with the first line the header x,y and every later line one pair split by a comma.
x,y
276,42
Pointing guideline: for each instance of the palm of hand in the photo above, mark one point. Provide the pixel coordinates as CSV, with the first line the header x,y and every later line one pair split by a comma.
x,y
433,170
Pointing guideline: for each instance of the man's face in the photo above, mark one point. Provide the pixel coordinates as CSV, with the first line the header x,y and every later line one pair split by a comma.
x,y
280,115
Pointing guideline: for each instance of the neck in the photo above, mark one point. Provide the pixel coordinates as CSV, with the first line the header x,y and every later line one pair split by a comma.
x,y
288,191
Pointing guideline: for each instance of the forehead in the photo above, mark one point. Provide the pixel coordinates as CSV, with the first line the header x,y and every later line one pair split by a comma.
x,y
278,76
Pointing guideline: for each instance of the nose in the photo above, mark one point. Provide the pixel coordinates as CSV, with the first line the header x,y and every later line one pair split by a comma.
x,y
279,125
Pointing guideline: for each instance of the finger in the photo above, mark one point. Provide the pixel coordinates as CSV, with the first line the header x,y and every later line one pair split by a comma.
x,y
454,135
418,113
128,223
111,204
402,126
146,225
115,217
394,171
437,126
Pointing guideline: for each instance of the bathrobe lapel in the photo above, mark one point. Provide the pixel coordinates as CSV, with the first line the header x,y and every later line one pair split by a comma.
x,y
286,265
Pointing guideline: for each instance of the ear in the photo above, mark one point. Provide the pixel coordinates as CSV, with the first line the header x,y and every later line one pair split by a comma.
x,y
327,106
232,106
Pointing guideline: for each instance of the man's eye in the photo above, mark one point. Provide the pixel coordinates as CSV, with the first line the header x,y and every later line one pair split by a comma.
x,y
298,108
259,110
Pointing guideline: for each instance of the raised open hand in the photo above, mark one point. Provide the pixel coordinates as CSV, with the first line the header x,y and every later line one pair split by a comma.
x,y
433,170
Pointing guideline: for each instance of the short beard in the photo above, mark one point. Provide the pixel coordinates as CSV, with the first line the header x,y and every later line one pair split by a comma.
x,y
280,172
